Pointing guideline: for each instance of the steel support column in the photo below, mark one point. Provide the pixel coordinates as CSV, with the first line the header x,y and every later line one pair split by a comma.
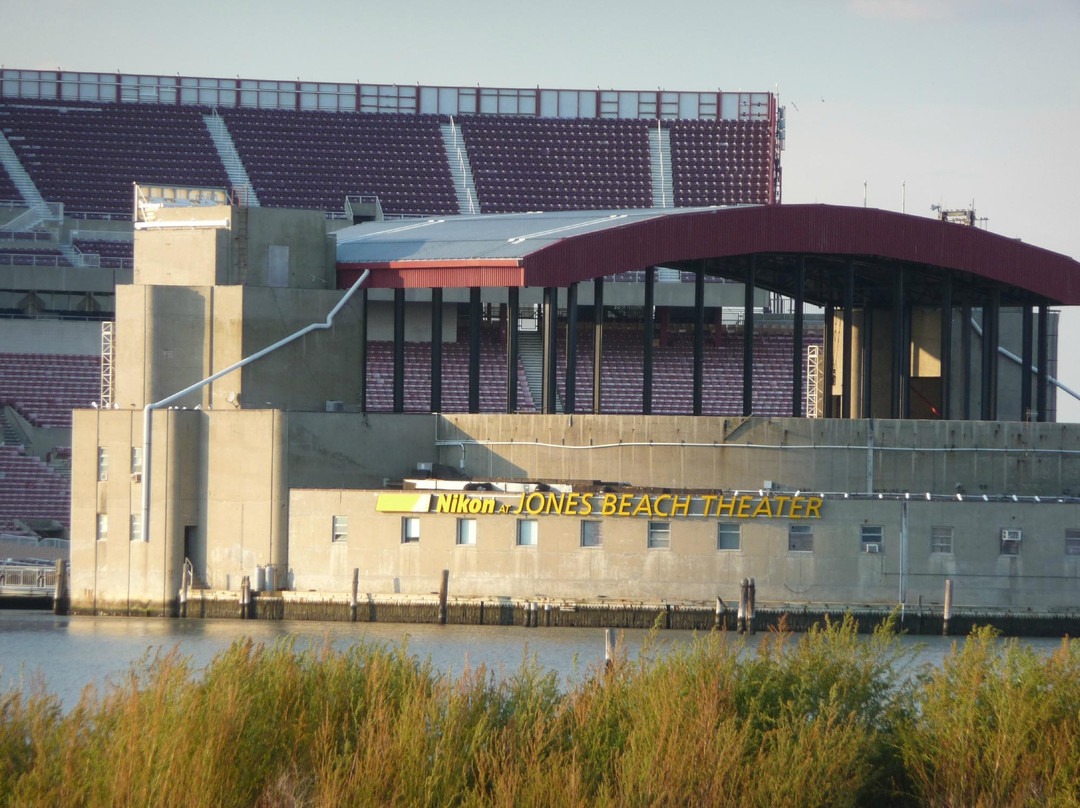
x,y
845,360
797,352
991,310
1025,363
571,349
399,350
699,338
899,385
965,358
946,345
827,360
436,349
748,339
474,348
512,301
598,341
1043,375
650,325
549,393
363,348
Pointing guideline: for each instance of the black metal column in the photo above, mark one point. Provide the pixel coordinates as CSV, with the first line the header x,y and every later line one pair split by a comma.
x,y
827,359
512,296
650,325
988,411
399,350
436,349
1043,374
899,389
797,353
866,409
474,349
946,346
1025,363
965,357
571,348
548,392
699,338
748,339
363,348
845,360
598,341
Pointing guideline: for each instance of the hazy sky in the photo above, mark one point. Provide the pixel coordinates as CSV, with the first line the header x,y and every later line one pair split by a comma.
x,y
960,100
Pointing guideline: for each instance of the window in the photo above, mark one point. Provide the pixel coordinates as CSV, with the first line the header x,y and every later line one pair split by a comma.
x,y
410,529
659,535
872,536
136,460
941,539
1072,541
102,526
102,464
590,533
728,536
800,538
466,531
341,528
136,526
527,532
1010,541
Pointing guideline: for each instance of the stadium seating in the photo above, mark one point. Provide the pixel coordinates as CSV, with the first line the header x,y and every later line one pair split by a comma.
x,y
113,254
87,155
12,256
720,162
316,159
8,191
31,490
45,388
521,164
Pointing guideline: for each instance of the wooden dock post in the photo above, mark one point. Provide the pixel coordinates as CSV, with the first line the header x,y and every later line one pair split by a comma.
x,y
354,601
443,588
751,606
947,615
740,620
60,588
245,596
547,615
721,613
609,648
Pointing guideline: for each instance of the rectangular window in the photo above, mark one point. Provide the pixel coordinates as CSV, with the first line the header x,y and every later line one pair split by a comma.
x,y
800,538
1072,541
102,464
729,536
872,538
102,526
1010,541
136,460
941,539
341,528
527,532
659,535
466,531
410,529
590,533
136,526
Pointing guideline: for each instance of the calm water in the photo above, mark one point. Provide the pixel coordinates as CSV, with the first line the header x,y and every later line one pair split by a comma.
x,y
72,652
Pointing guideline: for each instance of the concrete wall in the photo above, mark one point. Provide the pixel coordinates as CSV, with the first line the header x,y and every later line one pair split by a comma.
x,y
50,337
625,568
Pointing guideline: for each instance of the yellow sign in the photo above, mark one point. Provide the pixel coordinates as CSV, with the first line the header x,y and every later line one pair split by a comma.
x,y
654,506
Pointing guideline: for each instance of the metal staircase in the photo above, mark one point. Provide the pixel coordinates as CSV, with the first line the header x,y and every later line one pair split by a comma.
x,y
230,158
660,158
460,168
38,209
531,353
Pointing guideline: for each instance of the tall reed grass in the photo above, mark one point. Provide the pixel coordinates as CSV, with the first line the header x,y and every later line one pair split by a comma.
x,y
828,718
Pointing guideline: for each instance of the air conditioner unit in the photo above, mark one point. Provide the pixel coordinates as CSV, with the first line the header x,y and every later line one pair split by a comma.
x,y
768,485
335,406
1010,534
136,476
871,547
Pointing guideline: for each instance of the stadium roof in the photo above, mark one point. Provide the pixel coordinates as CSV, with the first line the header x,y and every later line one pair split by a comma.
x,y
556,249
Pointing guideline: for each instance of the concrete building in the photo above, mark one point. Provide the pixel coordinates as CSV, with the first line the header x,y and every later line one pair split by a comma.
x,y
276,464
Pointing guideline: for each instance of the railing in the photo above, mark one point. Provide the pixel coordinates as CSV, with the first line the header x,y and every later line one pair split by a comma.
x,y
38,580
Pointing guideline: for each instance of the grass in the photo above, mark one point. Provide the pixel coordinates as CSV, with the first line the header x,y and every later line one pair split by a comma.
x,y
823,719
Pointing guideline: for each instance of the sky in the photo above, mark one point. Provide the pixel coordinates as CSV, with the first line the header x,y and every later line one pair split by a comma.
x,y
911,102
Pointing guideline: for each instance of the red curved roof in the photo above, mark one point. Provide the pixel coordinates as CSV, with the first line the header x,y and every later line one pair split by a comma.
x,y
638,239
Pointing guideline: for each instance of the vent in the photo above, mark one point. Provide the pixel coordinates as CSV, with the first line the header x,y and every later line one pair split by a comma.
x,y
1010,534
335,406
871,547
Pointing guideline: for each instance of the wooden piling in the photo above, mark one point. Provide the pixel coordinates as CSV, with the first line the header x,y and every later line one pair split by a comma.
x,y
721,614
740,620
61,600
609,648
947,615
751,606
443,588
354,601
245,597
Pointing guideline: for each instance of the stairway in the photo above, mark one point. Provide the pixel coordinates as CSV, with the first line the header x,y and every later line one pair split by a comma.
x,y
38,209
460,168
230,159
660,158
531,353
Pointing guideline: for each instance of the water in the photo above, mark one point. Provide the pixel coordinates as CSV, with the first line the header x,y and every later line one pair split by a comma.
x,y
69,653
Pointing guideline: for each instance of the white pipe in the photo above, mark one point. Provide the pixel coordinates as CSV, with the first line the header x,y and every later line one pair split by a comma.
x,y
198,385
1010,355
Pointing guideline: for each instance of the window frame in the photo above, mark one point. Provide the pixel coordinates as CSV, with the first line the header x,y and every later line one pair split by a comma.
x,y
729,528
1010,546
103,464
466,540
136,526
1074,537
597,540
339,528
658,535
102,527
521,540
409,536
937,543
872,535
